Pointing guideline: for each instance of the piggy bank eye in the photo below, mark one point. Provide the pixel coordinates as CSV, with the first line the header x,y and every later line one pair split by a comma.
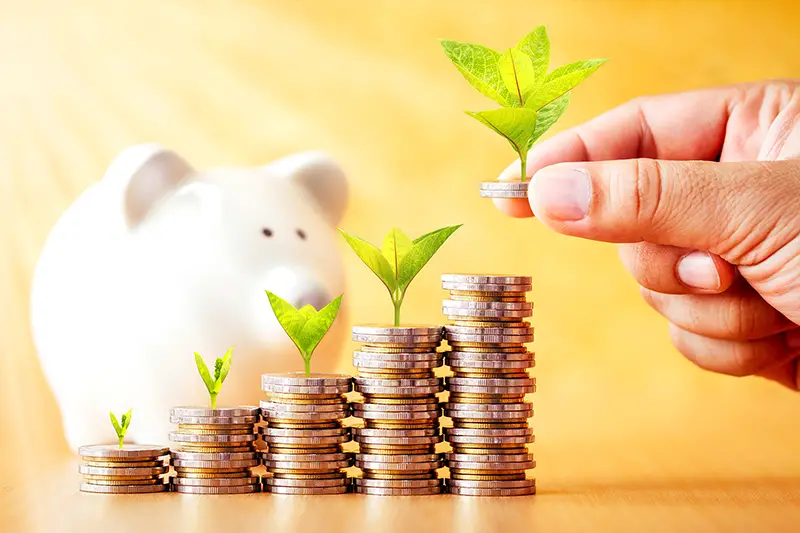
x,y
267,232
301,234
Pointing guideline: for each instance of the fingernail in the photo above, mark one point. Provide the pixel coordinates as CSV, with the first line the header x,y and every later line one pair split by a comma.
x,y
698,270
563,194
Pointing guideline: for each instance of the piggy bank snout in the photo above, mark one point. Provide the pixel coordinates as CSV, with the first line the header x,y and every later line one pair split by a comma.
x,y
316,296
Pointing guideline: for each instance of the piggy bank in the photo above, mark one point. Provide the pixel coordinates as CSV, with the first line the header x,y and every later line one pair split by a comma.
x,y
157,261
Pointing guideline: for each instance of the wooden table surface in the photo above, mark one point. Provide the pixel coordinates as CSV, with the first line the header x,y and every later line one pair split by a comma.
x,y
630,437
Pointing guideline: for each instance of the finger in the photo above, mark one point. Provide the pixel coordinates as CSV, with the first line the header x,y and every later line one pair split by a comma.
x,y
688,125
735,358
737,314
672,270
786,372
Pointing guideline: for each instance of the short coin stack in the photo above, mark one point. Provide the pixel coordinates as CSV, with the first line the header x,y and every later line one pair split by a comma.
x,y
304,433
486,401
215,450
400,409
132,469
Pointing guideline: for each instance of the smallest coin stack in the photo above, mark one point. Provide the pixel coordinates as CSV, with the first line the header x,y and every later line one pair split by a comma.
x,y
304,433
132,469
215,450
487,403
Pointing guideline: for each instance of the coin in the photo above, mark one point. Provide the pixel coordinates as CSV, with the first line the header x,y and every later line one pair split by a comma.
x,y
127,464
421,458
215,482
424,364
499,306
492,484
391,433
313,483
306,391
224,412
455,312
430,405
275,417
307,490
131,452
487,278
489,458
488,330
304,433
304,407
395,392
311,457
467,491
185,463
236,489
397,339
487,287
123,489
217,438
385,329
126,482
485,466
201,456
397,483
122,471
407,441
301,380
397,357
301,476
398,491
214,474
466,366
397,415
308,465
492,390
213,420
459,440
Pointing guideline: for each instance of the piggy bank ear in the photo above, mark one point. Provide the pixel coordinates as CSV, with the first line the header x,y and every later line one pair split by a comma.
x,y
320,177
145,174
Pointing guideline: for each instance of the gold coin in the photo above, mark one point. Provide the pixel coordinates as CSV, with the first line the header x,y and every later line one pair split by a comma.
x,y
286,424
462,448
396,374
326,475
187,431
112,464
473,298
299,399
93,477
125,461
490,425
416,348
215,475
488,348
456,292
428,398
181,470
209,449
465,397
303,450
495,451
218,428
381,475
117,482
396,450
486,477
300,470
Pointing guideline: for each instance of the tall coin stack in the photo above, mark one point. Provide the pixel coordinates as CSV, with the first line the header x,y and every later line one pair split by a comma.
x,y
400,409
486,401
132,469
304,433
215,450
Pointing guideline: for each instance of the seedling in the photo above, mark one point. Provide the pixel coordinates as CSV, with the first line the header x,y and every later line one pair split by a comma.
x,y
221,368
305,326
532,100
400,260
121,426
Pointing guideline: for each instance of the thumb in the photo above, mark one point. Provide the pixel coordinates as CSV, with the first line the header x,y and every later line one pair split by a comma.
x,y
739,211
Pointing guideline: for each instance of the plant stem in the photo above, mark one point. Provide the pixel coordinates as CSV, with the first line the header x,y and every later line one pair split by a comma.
x,y
307,363
213,400
397,304
120,441
523,159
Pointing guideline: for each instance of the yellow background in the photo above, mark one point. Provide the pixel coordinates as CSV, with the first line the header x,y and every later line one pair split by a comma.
x,y
627,430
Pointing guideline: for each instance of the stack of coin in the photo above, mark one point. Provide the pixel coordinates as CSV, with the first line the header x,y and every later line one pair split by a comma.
x,y
487,392
305,434
400,409
132,469
215,450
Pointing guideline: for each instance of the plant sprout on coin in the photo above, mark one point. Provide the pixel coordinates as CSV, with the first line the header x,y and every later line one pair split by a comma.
x,y
532,100
121,426
400,259
221,368
305,326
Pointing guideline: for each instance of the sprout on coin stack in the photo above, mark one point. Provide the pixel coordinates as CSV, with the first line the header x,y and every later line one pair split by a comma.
x,y
121,468
396,378
304,411
487,392
215,445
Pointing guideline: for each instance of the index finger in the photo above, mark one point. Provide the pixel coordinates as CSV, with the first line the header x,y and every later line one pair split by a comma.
x,y
679,126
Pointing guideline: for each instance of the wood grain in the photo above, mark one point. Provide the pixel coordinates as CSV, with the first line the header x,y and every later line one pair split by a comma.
x,y
630,437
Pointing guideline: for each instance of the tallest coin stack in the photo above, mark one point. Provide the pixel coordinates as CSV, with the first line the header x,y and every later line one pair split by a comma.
x,y
487,392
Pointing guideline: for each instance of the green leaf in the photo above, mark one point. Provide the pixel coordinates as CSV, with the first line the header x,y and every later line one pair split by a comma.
x,y
560,81
549,114
479,67
115,423
204,373
516,69
517,125
536,46
126,420
373,258
306,326
396,245
224,367
421,253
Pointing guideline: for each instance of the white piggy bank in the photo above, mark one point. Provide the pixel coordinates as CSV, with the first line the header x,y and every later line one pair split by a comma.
x,y
157,261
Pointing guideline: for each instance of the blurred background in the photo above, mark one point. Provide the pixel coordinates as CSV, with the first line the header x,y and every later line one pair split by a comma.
x,y
244,82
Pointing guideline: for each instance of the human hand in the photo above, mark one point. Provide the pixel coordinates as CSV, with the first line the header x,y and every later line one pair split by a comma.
x,y
703,190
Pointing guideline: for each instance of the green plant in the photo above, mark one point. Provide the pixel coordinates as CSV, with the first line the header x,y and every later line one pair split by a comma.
x,y
121,426
400,259
305,326
221,368
532,100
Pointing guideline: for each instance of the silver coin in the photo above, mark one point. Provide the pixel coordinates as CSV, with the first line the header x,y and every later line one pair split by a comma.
x,y
185,463
506,185
487,330
468,364
491,390
386,329
487,287
491,407
502,306
297,389
398,491
227,412
491,382
491,465
128,451
303,433
394,415
237,489
492,483
397,339
212,438
491,339
487,278
300,417
395,407
124,489
500,357
456,312
397,483
489,458
304,407
409,458
468,491
400,365
214,420
301,380
490,193
306,441
459,440
392,433
487,432
307,483
490,416
399,467
122,471
421,382
215,481
305,457
397,441
308,490
399,391
308,465
213,456
407,356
